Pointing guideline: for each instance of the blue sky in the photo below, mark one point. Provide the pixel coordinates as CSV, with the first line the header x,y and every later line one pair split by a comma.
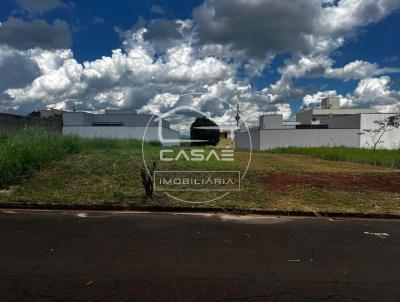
x,y
98,39
95,21
266,55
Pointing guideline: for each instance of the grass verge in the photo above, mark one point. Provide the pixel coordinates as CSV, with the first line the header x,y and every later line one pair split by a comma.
x,y
390,158
103,171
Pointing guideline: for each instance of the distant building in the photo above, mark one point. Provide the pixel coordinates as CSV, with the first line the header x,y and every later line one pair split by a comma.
x,y
330,108
51,113
328,126
227,133
120,124
15,123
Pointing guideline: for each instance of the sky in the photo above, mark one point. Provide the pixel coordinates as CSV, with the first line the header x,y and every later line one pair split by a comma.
x,y
267,56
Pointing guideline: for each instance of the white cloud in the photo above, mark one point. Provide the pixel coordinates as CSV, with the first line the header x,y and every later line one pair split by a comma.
x,y
136,78
310,100
160,102
314,100
358,70
285,110
275,26
377,93
321,66
348,15
163,59
370,92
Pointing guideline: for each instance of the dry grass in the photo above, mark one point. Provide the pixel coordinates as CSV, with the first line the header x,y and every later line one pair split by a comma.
x,y
226,143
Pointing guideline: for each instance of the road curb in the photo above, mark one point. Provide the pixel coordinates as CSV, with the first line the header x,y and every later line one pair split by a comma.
x,y
160,208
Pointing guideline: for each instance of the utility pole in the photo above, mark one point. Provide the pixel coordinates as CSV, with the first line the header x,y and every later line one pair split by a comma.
x,y
237,117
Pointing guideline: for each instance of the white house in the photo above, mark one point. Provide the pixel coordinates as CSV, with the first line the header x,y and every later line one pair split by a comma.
x,y
330,108
120,124
333,130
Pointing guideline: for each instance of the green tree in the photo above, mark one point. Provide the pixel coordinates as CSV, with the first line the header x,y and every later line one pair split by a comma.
x,y
394,121
34,114
382,126
205,132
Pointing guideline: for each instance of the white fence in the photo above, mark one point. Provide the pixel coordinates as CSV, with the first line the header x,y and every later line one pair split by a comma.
x,y
121,132
275,138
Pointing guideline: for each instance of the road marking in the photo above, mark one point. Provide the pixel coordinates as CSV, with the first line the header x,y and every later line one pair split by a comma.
x,y
380,235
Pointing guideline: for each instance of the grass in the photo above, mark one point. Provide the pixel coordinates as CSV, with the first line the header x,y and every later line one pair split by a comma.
x,y
23,153
389,158
29,150
76,171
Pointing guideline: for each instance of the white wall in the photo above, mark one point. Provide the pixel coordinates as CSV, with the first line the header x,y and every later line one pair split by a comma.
x,y
271,121
242,140
390,140
348,121
340,136
270,139
120,132
304,117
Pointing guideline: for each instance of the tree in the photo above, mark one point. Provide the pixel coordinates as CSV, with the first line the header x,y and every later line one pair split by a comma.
x,y
394,121
34,114
204,132
383,126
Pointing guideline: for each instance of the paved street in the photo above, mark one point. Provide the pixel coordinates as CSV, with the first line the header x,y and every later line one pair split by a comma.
x,y
111,256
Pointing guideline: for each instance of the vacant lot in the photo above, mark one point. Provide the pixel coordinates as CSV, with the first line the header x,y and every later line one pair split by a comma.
x,y
107,171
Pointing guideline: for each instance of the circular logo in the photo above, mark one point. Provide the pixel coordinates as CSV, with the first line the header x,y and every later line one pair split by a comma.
x,y
201,167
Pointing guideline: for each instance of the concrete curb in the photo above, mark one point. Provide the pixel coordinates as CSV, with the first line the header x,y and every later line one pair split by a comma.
x,y
154,208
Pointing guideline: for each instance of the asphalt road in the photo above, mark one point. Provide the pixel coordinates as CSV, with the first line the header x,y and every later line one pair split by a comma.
x,y
100,256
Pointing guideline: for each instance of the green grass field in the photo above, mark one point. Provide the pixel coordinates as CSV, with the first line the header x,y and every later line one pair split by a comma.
x,y
41,168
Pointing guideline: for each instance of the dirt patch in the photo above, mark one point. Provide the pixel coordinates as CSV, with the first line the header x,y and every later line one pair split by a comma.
x,y
283,180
